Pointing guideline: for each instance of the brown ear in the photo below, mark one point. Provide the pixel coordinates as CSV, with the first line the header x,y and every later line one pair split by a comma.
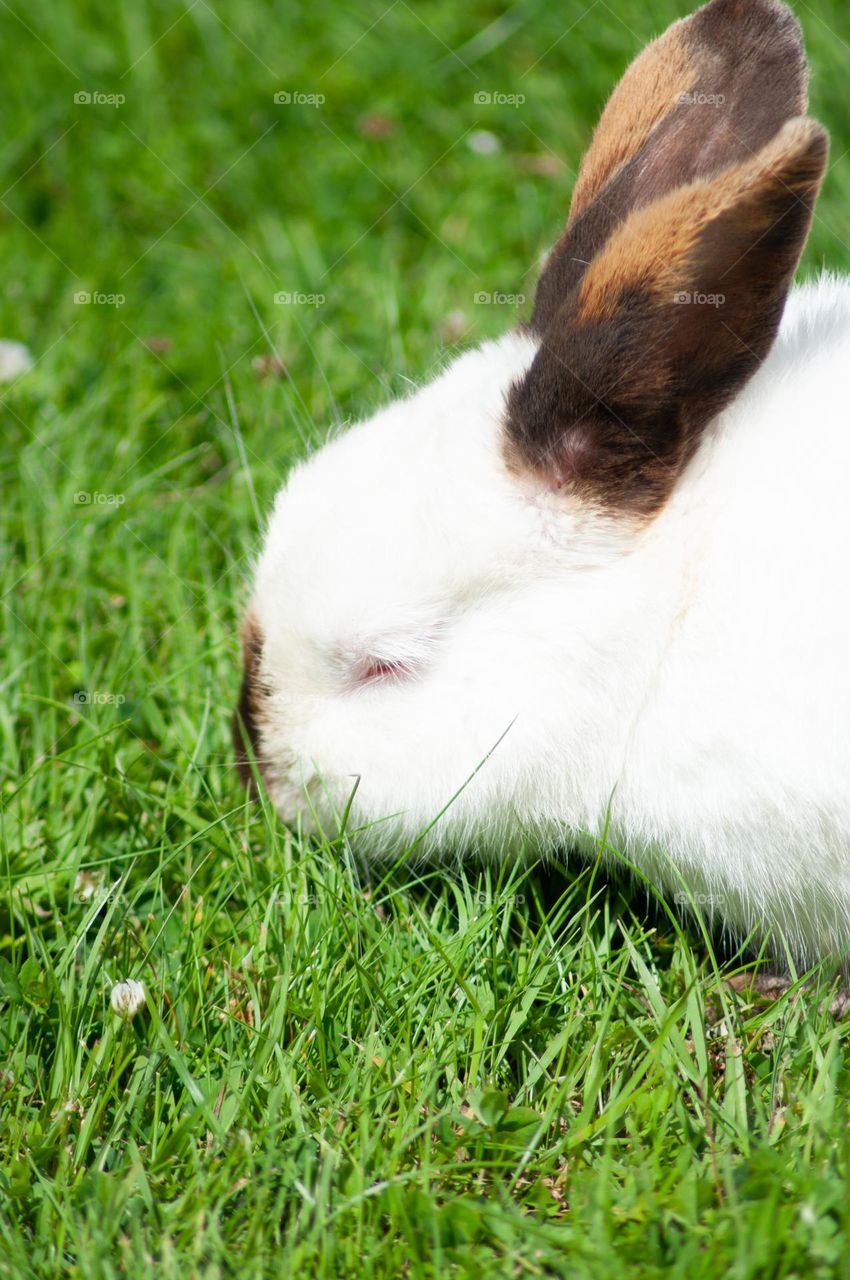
x,y
668,323
709,93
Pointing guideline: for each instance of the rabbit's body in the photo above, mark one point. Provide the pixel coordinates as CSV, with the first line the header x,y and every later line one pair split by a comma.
x,y
737,765
591,579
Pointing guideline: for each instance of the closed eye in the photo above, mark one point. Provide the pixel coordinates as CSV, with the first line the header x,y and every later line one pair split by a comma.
x,y
387,660
375,670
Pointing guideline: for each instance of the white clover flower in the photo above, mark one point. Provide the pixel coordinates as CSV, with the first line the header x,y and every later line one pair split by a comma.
x,y
483,142
127,998
84,886
15,359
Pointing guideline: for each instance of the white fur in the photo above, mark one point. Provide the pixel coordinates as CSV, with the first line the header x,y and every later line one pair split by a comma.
x,y
686,685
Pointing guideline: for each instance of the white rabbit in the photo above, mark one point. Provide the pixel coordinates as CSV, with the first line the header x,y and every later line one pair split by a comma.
x,y
593,578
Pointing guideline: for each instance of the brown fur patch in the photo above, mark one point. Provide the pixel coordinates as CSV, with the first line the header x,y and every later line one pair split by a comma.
x,y
653,248
646,93
667,325
708,94
248,715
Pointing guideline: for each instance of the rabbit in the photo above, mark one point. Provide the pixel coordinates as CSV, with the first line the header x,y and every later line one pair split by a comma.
x,y
588,586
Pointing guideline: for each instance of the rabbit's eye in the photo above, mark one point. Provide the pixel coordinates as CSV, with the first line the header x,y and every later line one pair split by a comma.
x,y
391,659
381,669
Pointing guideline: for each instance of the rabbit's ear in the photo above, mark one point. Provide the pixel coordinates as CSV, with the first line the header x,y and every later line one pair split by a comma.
x,y
667,324
708,94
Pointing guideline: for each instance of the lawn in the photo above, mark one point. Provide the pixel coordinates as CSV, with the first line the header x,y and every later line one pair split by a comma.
x,y
441,1072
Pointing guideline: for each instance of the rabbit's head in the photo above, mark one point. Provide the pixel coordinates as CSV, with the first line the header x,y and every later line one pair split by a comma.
x,y
448,618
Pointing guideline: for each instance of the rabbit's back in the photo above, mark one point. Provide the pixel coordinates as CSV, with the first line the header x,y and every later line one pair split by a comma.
x,y
740,764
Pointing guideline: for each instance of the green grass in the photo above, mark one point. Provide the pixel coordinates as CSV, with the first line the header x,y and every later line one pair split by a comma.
x,y
433,1075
